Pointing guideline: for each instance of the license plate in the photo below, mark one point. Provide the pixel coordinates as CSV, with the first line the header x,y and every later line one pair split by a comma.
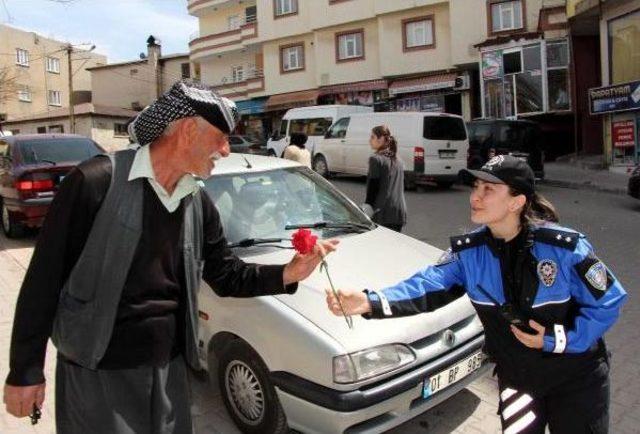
x,y
452,374
447,154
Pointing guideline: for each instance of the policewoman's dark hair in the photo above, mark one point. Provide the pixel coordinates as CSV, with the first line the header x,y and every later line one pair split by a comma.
x,y
537,210
391,142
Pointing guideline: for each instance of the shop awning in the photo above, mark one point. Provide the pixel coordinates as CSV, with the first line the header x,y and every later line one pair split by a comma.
x,y
421,84
285,101
251,106
360,86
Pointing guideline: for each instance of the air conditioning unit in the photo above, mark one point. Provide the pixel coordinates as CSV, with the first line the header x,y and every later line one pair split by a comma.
x,y
462,82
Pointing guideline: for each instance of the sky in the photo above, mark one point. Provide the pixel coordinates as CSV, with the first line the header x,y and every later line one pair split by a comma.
x,y
118,28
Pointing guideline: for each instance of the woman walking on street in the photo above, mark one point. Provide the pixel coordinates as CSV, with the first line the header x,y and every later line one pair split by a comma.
x,y
385,181
543,296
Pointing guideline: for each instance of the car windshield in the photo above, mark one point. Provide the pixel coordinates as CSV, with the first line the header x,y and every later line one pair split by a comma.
x,y
261,205
56,150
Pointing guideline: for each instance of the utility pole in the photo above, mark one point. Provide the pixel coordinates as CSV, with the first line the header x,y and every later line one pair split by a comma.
x,y
72,120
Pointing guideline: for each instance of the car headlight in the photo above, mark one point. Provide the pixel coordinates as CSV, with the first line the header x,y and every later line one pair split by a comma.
x,y
354,367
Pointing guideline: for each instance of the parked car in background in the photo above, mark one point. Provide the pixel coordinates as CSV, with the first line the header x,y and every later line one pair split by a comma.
x,y
312,121
285,361
245,145
432,146
491,137
634,183
31,169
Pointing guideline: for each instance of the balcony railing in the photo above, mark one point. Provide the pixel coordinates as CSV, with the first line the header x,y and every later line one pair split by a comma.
x,y
224,41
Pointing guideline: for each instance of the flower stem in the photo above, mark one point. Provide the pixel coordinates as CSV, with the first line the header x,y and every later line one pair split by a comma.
x,y
347,318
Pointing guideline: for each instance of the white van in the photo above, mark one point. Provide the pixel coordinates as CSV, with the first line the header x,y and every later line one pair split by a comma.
x,y
313,121
432,146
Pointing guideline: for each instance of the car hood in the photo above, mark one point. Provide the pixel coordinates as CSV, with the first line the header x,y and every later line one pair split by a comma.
x,y
372,260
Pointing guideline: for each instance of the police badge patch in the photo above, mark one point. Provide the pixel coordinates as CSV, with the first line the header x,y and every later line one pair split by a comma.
x,y
447,257
596,275
547,272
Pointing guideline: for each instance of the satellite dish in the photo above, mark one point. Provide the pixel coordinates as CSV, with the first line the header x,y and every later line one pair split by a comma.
x,y
143,56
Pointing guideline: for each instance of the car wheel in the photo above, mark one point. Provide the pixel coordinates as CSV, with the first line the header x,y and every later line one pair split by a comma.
x,y
444,185
10,227
320,166
248,393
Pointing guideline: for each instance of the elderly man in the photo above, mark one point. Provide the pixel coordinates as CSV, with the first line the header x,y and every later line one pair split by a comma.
x,y
116,269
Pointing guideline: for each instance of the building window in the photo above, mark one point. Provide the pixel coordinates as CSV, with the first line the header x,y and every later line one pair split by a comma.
x,y
53,65
350,46
56,129
24,94
14,132
292,58
418,33
54,98
22,57
42,130
558,75
120,130
285,7
624,48
237,73
185,70
505,16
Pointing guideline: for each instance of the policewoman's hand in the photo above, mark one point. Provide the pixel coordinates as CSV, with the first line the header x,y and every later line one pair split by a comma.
x,y
532,341
353,302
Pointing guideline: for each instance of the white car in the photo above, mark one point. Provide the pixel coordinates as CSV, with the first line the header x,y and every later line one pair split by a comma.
x,y
285,361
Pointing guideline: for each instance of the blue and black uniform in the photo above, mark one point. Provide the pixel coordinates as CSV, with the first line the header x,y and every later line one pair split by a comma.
x,y
549,274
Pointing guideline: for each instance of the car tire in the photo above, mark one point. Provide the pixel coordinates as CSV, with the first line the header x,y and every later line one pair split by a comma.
x,y
10,227
320,166
247,391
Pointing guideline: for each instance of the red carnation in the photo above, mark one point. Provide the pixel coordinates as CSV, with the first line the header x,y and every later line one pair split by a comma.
x,y
304,241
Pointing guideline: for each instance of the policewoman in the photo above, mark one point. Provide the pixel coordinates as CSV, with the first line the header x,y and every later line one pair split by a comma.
x,y
543,296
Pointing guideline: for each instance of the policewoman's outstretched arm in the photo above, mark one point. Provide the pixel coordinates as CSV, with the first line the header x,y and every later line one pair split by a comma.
x,y
409,297
599,296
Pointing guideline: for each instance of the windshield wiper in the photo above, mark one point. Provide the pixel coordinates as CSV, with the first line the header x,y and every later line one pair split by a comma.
x,y
331,225
250,242
37,160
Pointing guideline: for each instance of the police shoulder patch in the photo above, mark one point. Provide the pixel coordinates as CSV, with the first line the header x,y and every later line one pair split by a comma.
x,y
595,276
557,237
447,257
467,241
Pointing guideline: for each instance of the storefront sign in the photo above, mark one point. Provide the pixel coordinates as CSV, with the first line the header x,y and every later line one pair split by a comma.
x,y
492,65
623,134
618,98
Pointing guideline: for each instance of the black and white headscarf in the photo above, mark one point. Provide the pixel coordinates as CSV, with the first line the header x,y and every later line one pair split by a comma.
x,y
185,99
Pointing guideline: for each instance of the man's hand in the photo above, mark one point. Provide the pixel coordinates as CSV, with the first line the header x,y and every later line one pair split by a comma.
x,y
532,341
301,266
353,302
19,400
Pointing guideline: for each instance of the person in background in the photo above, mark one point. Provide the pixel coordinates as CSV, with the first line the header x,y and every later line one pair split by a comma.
x,y
385,181
297,150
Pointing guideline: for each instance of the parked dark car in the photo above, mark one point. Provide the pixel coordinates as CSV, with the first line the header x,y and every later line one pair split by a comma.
x,y
491,137
31,169
634,183
246,145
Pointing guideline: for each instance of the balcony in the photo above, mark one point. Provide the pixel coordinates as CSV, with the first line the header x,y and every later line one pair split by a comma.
x,y
198,8
224,42
247,86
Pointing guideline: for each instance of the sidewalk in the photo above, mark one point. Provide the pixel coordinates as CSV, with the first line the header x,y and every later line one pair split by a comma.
x,y
585,175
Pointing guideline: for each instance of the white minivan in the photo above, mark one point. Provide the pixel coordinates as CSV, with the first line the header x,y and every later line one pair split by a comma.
x,y
432,146
313,121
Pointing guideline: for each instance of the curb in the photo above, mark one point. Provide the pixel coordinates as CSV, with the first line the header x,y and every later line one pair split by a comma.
x,y
587,185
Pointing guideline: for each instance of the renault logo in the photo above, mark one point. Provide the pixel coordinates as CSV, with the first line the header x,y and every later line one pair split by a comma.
x,y
448,338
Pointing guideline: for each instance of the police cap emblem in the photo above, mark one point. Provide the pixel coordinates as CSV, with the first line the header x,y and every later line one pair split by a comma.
x,y
495,161
547,272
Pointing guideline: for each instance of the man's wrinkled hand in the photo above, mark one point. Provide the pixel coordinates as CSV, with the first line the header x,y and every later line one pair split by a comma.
x,y
301,266
19,400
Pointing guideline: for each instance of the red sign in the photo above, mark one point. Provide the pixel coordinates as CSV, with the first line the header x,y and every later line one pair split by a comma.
x,y
623,134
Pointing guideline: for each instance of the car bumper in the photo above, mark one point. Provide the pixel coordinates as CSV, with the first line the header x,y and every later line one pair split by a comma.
x,y
439,170
29,212
314,409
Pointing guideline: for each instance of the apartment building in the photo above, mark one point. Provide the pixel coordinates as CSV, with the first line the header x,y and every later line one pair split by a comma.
x,y
34,73
135,84
426,55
